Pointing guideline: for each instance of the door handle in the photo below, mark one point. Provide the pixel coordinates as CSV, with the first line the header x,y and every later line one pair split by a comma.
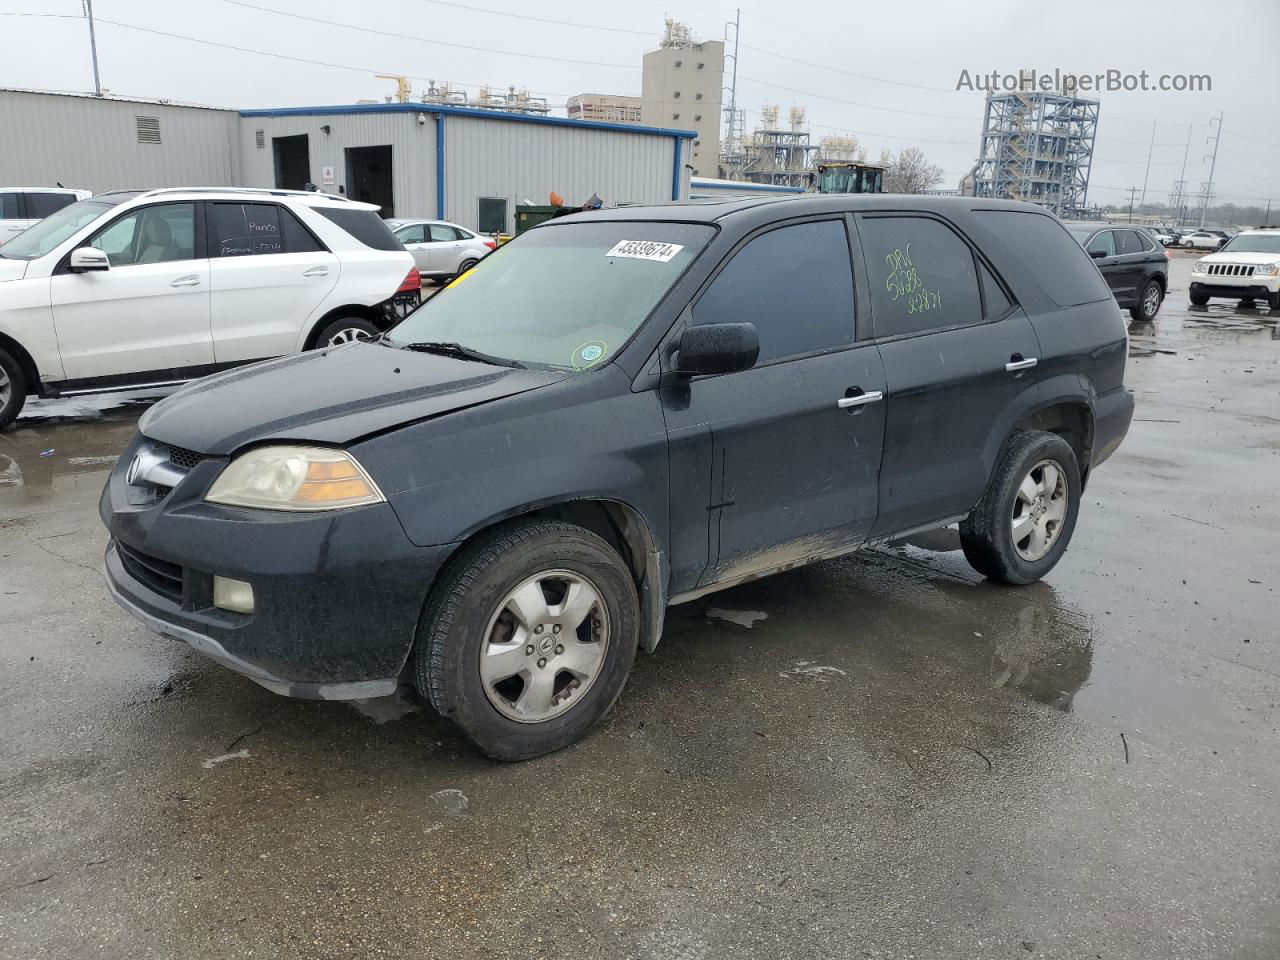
x,y
858,399
186,282
316,272
1016,363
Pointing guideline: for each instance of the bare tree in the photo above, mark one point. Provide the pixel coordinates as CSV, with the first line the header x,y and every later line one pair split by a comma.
x,y
909,172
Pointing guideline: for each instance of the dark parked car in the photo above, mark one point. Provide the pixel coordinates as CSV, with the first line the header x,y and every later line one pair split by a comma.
x,y
1135,266
614,413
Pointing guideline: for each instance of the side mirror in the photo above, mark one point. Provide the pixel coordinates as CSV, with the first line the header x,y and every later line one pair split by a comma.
x,y
1097,254
717,348
84,259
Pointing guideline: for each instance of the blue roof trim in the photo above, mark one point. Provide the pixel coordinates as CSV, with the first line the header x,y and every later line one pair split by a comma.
x,y
745,187
452,111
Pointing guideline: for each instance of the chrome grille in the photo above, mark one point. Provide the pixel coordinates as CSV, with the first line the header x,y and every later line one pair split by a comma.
x,y
1230,270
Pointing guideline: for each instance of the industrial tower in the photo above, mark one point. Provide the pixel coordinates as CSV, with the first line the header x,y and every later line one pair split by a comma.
x,y
1038,146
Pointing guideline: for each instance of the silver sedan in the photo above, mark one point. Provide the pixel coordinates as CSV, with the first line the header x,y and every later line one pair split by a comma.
x,y
441,249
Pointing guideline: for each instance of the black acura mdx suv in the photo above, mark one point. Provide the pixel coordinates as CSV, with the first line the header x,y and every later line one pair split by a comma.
x,y
619,411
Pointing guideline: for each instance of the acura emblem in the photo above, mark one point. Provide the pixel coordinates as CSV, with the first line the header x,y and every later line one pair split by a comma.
x,y
135,465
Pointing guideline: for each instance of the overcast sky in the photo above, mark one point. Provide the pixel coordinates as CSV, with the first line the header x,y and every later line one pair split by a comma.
x,y
883,71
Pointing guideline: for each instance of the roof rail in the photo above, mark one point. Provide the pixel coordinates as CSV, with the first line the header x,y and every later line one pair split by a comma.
x,y
263,191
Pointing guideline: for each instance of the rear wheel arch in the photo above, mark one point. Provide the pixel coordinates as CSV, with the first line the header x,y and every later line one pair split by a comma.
x,y
372,314
24,360
1070,419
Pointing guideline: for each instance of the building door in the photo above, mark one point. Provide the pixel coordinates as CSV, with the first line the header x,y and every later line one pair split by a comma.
x,y
293,162
369,178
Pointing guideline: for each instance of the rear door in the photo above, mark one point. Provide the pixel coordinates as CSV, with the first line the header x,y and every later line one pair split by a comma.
x,y
957,352
13,214
446,248
1131,266
792,471
268,274
147,317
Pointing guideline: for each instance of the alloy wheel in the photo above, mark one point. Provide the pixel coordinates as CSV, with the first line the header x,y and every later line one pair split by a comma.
x,y
6,389
544,646
1151,301
1039,510
349,335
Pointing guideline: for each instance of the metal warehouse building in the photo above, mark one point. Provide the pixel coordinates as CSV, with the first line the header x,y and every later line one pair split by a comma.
x,y
468,165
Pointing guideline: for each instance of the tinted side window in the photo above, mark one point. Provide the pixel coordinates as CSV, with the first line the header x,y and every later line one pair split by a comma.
x,y
40,205
11,206
794,283
922,275
995,302
1104,243
244,229
1141,242
1127,242
297,238
1046,251
365,225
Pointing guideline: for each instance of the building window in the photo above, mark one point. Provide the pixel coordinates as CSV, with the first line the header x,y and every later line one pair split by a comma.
x,y
492,215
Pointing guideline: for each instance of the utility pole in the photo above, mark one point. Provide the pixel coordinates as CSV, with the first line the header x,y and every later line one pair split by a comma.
x,y
1133,192
1266,217
732,114
93,48
1150,150
1182,181
1213,164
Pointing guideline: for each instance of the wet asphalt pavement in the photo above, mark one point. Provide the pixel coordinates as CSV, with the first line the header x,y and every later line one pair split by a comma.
x,y
881,756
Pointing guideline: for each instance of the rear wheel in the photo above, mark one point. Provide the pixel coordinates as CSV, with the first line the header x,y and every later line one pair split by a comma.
x,y
13,389
528,638
465,266
1148,304
1021,527
1198,298
346,330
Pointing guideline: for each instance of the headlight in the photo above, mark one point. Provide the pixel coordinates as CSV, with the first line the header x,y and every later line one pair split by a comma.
x,y
294,478
1267,270
1199,267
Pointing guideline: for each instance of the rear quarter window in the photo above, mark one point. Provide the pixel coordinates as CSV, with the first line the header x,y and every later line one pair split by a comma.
x,y
365,225
1056,262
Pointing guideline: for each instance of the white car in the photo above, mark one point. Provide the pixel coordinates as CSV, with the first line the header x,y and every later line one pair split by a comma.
x,y
1201,240
1246,268
22,207
441,250
142,288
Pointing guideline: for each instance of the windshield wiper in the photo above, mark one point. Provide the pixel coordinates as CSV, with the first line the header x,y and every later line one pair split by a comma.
x,y
462,353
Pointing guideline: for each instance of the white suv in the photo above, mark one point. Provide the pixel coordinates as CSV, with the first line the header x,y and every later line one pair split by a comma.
x,y
1246,268
156,287
22,207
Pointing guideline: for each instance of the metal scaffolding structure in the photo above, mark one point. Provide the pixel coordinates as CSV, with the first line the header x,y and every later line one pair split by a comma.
x,y
1038,146
772,155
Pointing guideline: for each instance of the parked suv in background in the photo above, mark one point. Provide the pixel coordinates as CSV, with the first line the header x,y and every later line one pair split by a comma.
x,y
20,207
616,412
155,287
1247,268
441,250
1134,265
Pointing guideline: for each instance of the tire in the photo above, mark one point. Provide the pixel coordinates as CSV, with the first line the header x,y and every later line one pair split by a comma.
x,y
464,266
471,616
345,330
1273,300
987,534
13,389
1149,300
1198,299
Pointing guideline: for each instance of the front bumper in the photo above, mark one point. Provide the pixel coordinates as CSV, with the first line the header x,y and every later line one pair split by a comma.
x,y
1235,287
337,595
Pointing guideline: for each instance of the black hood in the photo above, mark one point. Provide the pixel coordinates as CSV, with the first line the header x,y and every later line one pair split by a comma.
x,y
333,396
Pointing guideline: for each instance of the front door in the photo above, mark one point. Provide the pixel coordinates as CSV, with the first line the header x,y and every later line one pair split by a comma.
x,y
774,465
148,313
268,275
956,353
446,249
414,238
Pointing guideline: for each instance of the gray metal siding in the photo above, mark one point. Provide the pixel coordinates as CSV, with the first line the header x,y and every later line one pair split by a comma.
x,y
413,152
92,144
519,161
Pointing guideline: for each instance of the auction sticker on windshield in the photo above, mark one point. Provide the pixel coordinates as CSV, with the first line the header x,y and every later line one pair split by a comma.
x,y
645,250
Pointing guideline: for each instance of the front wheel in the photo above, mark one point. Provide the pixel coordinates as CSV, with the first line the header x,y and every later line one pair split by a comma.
x,y
1273,300
528,638
13,389
1021,527
1148,303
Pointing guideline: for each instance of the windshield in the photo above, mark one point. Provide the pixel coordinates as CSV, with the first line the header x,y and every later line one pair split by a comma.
x,y
1257,243
38,240
567,296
